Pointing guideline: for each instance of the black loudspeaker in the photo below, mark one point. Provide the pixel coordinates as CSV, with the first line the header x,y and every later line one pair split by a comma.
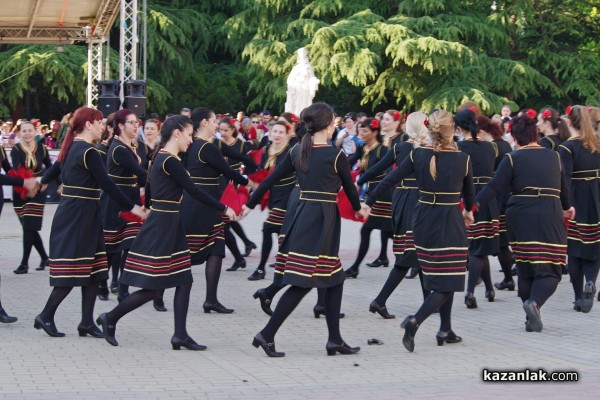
x,y
108,96
135,97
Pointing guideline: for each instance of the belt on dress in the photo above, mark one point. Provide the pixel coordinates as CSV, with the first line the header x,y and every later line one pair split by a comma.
x,y
311,195
481,180
408,183
537,192
81,192
439,198
124,180
165,205
586,175
206,181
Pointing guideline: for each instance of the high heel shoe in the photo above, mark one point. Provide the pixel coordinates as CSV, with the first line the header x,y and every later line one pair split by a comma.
x,y
114,287
103,293
534,318
47,326
265,301
374,307
257,275
43,265
108,329
91,330
269,348
5,318
320,310
410,327
412,273
470,300
216,307
343,348
510,285
188,343
237,265
159,305
447,337
490,295
587,302
378,263
21,269
351,273
249,247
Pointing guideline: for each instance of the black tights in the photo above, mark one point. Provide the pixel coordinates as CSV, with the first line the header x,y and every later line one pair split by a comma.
x,y
505,258
267,244
437,301
582,271
123,289
365,236
114,264
212,272
237,228
537,289
31,239
231,244
479,266
290,300
396,276
88,300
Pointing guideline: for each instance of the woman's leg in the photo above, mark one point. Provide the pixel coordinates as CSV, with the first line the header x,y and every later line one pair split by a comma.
x,y
363,247
286,305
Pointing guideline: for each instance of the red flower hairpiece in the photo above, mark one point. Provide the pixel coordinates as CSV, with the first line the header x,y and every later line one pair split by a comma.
x,y
589,108
509,127
472,108
546,114
568,110
232,121
374,124
294,118
531,113
426,122
397,116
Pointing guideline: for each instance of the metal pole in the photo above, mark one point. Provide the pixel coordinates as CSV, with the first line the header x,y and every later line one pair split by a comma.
x,y
145,37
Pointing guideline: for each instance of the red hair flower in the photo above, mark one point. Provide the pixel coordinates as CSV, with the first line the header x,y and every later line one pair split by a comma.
x,y
397,115
426,122
374,124
531,113
472,108
294,118
509,127
546,114
568,110
232,121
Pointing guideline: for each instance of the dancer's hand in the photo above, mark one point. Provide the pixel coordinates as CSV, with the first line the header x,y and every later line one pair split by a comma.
x,y
59,189
364,211
570,213
245,212
139,212
468,218
251,184
231,214
32,185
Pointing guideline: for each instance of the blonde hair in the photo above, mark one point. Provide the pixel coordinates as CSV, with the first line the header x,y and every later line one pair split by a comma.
x,y
416,128
595,118
437,121
580,118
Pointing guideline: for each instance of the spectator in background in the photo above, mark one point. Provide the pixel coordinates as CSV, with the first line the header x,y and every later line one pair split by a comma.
x,y
347,138
360,117
185,111
506,112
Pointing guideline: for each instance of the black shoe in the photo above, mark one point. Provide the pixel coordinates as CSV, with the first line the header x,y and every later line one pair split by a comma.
x,y
379,263
47,326
320,310
188,343
490,295
534,318
410,327
588,297
217,307
527,327
103,293
269,348
43,265
5,318
272,265
108,329
412,273
470,300
114,287
374,307
510,285
159,305
237,265
91,330
343,348
122,296
257,275
447,337
21,269
265,301
249,247
514,271
565,270
577,305
351,273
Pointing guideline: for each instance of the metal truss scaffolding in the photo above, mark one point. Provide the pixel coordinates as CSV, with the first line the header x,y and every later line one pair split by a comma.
x,y
128,42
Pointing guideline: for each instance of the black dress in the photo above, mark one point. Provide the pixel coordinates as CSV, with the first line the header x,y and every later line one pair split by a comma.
x,y
279,194
582,171
483,233
204,234
144,152
31,210
534,216
404,200
381,212
103,149
6,167
123,167
77,254
159,257
438,226
309,252
503,149
550,142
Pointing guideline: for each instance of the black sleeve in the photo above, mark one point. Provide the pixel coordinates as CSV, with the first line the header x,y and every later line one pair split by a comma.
x,y
468,190
46,161
547,143
499,184
180,175
93,162
228,152
52,173
565,193
404,169
284,168
343,170
15,158
566,158
386,162
210,154
5,165
125,158
6,180
356,156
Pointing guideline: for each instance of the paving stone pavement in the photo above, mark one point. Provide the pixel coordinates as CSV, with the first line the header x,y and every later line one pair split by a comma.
x,y
35,366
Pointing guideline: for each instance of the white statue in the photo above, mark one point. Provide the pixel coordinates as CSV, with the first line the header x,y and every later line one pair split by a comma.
x,y
302,84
